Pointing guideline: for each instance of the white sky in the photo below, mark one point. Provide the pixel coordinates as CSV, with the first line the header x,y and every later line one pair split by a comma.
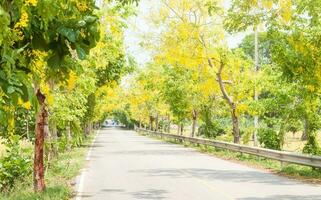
x,y
138,25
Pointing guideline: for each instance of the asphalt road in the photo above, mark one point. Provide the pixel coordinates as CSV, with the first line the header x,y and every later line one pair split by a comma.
x,y
123,165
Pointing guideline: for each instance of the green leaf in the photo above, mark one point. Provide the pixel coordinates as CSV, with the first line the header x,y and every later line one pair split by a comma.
x,y
69,33
10,89
81,52
90,19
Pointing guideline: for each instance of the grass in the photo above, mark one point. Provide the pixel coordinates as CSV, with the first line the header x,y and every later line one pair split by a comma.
x,y
59,177
298,172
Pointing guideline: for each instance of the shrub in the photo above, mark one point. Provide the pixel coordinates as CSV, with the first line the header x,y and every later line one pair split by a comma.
x,y
14,166
269,138
312,146
211,129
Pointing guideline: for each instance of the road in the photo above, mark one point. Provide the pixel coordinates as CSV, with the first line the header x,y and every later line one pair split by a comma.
x,y
124,166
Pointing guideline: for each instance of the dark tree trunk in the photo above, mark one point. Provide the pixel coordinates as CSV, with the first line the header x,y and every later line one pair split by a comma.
x,y
169,124
41,123
156,123
194,116
178,129
236,129
69,137
306,129
150,123
182,129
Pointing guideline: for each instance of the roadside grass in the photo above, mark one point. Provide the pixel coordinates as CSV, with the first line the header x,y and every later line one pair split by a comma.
x,y
59,177
293,171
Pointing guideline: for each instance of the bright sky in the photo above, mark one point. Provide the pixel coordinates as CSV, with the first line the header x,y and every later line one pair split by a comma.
x,y
138,26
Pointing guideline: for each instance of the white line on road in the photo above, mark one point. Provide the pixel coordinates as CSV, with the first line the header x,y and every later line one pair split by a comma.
x,y
82,175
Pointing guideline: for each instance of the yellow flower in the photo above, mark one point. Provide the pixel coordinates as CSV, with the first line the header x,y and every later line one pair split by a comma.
x,y
20,102
31,2
24,20
50,99
27,105
82,7
71,81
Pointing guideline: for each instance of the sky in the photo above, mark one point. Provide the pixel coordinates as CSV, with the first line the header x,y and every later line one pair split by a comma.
x,y
138,25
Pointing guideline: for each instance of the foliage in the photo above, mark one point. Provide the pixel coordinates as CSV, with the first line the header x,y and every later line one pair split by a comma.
x,y
269,138
14,166
211,127
59,176
312,146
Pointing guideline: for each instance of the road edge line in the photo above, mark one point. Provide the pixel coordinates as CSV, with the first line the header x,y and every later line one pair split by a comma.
x,y
81,179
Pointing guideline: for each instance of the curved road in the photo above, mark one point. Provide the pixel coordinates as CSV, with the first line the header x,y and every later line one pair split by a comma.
x,y
124,166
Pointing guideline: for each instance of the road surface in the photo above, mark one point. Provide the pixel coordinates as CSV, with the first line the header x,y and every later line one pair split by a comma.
x,y
126,166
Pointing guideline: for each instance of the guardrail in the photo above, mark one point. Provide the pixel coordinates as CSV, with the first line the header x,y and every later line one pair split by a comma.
x,y
283,156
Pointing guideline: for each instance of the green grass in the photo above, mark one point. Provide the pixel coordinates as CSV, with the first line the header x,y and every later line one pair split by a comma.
x,y
59,177
298,172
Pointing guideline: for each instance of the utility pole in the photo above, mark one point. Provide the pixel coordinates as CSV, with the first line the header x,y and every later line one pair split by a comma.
x,y
256,94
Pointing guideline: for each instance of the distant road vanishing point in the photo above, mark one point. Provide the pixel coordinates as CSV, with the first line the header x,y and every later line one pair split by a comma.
x,y
123,165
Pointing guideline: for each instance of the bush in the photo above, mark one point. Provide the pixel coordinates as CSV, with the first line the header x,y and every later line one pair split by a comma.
x,y
312,146
211,129
269,138
14,166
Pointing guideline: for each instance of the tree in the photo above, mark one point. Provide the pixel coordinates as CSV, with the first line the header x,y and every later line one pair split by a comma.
x,y
39,48
296,51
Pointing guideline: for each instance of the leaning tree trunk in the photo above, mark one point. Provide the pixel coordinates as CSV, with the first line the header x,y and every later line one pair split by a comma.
x,y
194,116
231,103
41,121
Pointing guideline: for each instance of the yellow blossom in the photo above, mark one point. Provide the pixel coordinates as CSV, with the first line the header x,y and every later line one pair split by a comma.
x,y
31,2
71,82
20,102
24,20
27,105
82,7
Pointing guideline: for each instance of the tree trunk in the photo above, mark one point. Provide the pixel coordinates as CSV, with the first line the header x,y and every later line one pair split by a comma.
x,y
229,99
178,129
27,126
87,128
194,116
150,123
169,124
140,124
256,94
182,129
236,129
41,120
55,139
69,138
156,122
306,129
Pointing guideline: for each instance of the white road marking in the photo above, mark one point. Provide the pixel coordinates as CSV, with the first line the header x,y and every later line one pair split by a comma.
x,y
82,175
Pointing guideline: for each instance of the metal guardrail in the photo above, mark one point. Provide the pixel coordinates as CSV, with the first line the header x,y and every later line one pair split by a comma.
x,y
283,156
